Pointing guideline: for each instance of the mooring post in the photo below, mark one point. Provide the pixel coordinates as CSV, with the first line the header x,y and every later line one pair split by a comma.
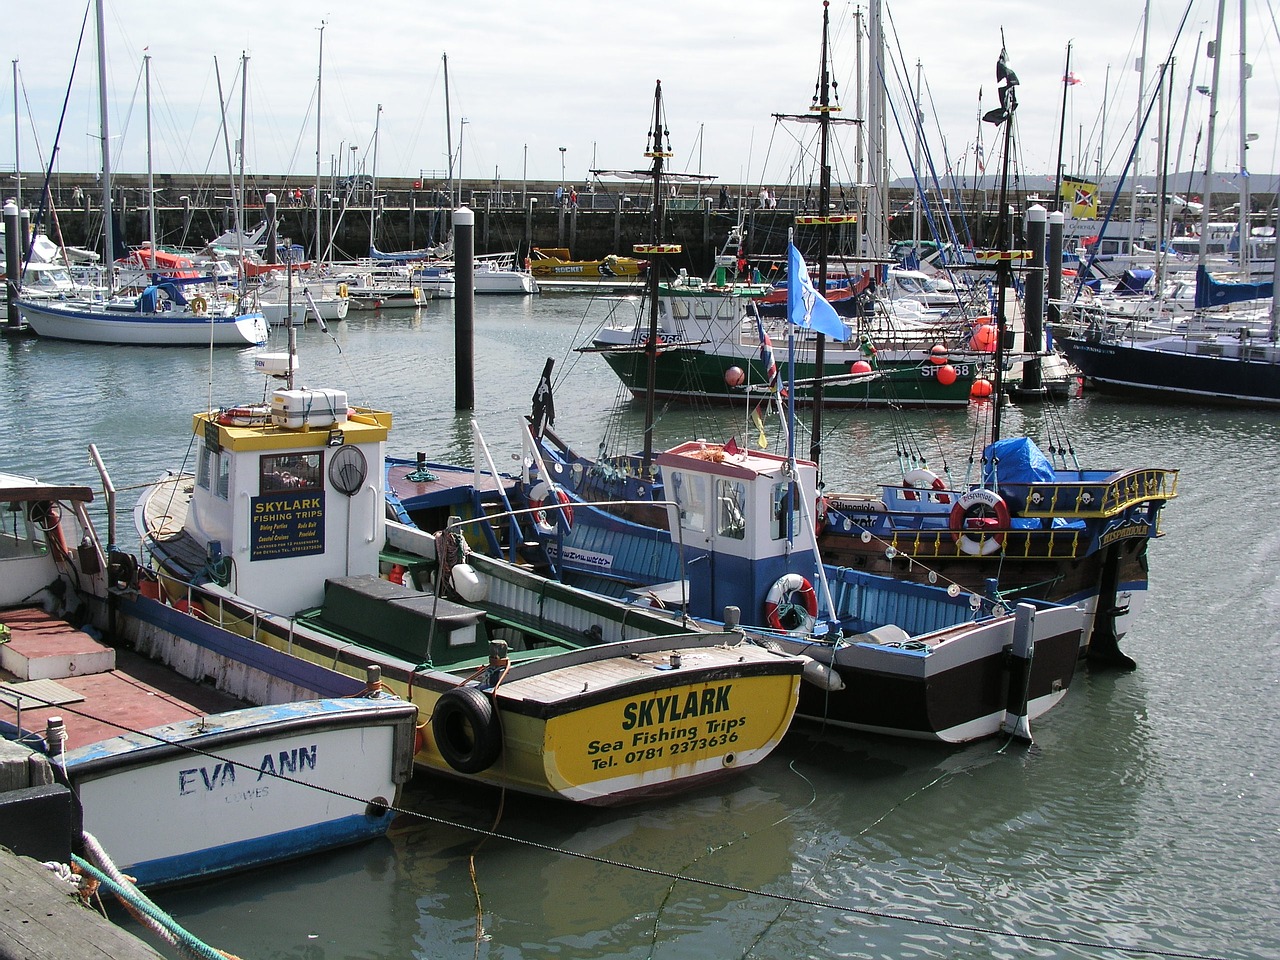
x,y
464,304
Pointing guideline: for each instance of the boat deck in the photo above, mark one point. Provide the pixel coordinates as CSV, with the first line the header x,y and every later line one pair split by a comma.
x,y
98,690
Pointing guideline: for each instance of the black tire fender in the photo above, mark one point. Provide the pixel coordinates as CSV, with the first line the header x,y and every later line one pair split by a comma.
x,y
466,729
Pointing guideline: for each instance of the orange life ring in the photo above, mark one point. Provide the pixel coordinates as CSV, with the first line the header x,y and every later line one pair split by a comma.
x,y
539,496
979,521
797,587
246,416
922,479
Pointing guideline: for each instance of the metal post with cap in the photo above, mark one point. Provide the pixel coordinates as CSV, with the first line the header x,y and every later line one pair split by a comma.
x,y
464,226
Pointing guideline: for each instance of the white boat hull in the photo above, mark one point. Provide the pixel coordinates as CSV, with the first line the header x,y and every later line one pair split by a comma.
x,y
84,325
244,788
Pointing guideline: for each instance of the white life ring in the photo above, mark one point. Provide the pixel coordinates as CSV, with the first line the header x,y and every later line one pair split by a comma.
x,y
973,515
798,589
922,479
541,494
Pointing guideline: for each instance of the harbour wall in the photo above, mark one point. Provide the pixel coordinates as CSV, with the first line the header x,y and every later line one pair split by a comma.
x,y
408,214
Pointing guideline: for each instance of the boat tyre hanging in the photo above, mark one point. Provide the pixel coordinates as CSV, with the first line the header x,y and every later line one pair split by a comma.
x,y
979,521
791,604
466,729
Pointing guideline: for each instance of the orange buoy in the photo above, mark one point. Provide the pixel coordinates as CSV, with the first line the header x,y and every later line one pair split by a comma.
x,y
984,337
981,389
946,374
938,354
859,366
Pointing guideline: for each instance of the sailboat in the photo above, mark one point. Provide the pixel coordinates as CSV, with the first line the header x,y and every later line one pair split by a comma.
x,y
1236,364
727,534
165,313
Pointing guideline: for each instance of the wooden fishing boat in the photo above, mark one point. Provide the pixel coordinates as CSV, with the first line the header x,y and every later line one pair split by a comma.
x,y
218,785
281,536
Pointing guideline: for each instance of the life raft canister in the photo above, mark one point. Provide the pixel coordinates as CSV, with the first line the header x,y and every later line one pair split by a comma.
x,y
791,588
978,522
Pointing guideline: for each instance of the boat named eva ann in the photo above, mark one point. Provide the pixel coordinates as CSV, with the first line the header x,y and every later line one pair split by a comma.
x,y
524,683
173,779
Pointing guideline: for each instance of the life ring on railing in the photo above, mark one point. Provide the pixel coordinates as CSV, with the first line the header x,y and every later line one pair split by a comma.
x,y
199,305
466,729
245,416
791,588
343,290
977,512
922,479
543,493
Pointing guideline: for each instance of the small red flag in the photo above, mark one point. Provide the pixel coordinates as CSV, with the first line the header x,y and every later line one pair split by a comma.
x,y
731,446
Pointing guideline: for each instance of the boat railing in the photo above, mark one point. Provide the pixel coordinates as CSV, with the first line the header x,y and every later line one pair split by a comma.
x,y
1096,499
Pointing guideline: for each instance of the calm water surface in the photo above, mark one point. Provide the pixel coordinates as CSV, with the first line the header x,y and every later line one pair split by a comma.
x,y
1144,821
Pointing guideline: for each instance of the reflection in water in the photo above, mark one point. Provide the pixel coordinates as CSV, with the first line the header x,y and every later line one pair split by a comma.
x,y
1143,816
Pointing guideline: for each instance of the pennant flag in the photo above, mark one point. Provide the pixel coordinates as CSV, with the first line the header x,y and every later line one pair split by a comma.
x,y
732,446
758,419
766,353
1081,197
1070,79
804,307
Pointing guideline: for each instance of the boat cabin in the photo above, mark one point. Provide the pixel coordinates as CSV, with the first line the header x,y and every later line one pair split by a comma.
x,y
296,486
745,520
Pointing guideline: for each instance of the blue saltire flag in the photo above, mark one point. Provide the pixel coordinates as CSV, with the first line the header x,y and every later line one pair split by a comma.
x,y
804,307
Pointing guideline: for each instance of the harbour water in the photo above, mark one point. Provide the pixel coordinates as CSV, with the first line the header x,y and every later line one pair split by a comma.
x,y
1144,821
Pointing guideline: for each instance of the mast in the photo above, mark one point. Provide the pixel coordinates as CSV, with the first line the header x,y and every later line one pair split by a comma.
x,y
108,232
1002,114
1137,141
1246,201
1062,127
448,126
820,112
17,147
1215,51
244,98
658,154
151,183
878,168
319,80
373,185
824,213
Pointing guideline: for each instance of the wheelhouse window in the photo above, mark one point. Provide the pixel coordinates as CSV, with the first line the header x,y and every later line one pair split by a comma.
x,y
731,508
690,492
785,504
224,476
203,470
291,472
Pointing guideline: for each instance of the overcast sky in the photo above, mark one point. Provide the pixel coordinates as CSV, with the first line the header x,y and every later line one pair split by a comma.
x,y
572,82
